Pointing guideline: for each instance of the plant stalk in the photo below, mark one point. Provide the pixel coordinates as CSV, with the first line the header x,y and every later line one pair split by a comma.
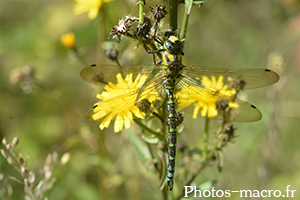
x,y
141,11
184,26
173,14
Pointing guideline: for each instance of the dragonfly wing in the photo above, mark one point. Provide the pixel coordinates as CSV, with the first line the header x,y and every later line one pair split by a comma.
x,y
154,79
102,74
125,105
104,108
193,97
252,77
117,101
153,89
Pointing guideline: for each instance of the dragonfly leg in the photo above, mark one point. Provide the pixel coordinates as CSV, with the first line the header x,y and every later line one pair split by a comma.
x,y
152,52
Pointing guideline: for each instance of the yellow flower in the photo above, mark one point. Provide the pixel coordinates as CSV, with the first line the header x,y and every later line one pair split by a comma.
x,y
90,6
68,40
118,102
205,99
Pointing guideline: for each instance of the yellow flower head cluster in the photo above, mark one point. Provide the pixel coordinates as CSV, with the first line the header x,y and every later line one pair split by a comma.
x,y
118,102
204,100
90,6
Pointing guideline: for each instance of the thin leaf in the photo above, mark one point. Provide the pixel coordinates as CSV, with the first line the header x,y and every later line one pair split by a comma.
x,y
195,150
190,3
195,2
150,139
188,6
200,3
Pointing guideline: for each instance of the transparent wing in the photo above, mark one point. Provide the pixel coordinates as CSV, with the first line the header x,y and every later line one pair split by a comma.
x,y
120,103
252,77
102,74
193,97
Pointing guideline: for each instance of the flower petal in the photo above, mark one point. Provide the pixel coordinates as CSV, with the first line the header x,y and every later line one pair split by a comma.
x,y
93,12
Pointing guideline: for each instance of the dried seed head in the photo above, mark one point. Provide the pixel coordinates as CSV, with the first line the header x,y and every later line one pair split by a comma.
x,y
237,83
222,104
143,29
229,132
123,28
112,54
20,159
15,141
179,118
158,12
115,34
144,105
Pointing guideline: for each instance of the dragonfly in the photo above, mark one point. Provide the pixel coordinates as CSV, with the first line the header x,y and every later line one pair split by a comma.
x,y
171,80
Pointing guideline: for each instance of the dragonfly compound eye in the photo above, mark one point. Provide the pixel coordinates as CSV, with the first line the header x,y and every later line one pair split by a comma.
x,y
169,46
173,45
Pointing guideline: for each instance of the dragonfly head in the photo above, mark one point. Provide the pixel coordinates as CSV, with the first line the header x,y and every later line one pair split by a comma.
x,y
173,45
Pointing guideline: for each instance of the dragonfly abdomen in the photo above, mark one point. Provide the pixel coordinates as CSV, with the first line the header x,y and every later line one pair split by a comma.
x,y
169,84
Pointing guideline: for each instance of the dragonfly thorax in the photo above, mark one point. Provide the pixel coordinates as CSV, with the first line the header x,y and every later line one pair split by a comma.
x,y
173,52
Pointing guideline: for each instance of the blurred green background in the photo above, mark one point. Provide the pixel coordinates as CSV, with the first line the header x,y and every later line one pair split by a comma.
x,y
49,114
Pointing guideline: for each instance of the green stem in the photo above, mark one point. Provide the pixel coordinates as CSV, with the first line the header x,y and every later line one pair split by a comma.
x,y
141,11
165,193
184,26
173,14
102,150
143,126
205,138
101,35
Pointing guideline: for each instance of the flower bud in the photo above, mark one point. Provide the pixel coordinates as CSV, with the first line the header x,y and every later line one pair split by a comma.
x,y
4,154
31,177
4,141
15,141
65,158
10,160
68,40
